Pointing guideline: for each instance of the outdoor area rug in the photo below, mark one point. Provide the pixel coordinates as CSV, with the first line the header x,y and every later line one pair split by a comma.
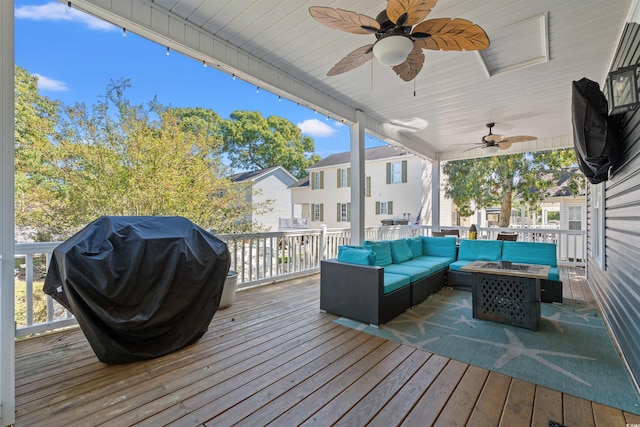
x,y
570,352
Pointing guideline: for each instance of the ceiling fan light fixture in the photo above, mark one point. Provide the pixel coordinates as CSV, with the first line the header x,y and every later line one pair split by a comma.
x,y
490,149
392,50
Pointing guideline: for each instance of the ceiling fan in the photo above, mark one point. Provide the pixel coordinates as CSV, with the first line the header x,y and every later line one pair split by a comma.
x,y
398,43
492,142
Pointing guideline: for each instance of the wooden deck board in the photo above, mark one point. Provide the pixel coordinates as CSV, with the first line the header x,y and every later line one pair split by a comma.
x,y
273,359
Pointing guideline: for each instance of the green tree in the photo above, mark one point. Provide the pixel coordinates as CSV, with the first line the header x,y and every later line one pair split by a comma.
x,y
117,158
253,142
491,181
35,119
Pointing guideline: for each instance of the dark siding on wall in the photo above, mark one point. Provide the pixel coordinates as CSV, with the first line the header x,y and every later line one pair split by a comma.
x,y
617,287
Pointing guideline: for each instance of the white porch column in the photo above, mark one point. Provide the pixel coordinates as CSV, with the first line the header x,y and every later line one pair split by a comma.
x,y
357,179
7,155
435,194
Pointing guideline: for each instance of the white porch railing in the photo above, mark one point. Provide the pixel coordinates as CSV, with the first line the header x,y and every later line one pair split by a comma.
x,y
258,258
284,223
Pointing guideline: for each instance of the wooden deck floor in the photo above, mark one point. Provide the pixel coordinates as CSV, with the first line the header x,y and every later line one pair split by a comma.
x,y
273,359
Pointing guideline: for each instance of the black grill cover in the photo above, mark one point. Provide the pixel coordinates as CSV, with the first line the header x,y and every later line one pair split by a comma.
x,y
594,136
140,287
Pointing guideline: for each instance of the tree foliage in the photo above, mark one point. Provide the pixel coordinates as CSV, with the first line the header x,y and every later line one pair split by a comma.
x,y
253,142
492,181
35,120
117,158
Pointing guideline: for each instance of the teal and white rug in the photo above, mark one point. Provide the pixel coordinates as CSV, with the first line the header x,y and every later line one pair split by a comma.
x,y
570,352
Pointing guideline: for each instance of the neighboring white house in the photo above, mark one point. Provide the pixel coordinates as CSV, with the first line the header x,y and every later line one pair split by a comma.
x,y
269,186
396,186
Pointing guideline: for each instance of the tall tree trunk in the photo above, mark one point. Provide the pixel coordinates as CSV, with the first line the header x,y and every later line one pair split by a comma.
x,y
505,209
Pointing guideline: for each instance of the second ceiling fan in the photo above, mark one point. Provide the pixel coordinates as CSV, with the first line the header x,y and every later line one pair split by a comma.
x,y
492,142
398,43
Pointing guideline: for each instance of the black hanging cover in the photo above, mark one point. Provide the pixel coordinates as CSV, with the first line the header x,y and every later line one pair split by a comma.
x,y
140,287
594,136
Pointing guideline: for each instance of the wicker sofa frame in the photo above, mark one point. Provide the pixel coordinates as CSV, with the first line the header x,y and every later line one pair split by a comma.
x,y
357,292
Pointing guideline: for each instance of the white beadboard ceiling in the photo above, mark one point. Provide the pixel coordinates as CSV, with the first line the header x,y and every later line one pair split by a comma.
x,y
522,82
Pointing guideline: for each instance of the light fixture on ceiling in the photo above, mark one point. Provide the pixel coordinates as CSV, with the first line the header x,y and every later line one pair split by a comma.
x,y
623,90
392,50
490,149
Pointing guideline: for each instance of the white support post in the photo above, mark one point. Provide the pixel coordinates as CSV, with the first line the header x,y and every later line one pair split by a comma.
x,y
357,179
7,156
435,195
323,242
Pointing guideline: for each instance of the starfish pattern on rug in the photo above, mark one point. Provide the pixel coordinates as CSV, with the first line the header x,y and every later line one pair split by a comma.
x,y
515,348
419,320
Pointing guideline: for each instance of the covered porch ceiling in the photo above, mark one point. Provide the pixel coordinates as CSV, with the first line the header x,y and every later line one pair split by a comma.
x,y
522,82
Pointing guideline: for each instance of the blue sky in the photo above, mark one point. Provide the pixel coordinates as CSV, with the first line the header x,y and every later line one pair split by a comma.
x,y
75,56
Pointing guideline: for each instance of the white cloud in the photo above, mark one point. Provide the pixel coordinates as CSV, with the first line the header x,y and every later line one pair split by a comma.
x,y
316,128
55,11
45,83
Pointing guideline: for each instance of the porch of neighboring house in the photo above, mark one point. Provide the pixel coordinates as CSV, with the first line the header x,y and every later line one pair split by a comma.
x,y
273,359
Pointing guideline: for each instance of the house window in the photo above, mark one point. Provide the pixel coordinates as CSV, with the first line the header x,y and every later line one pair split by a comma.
x,y
317,213
397,172
344,212
575,217
317,180
367,187
344,177
384,208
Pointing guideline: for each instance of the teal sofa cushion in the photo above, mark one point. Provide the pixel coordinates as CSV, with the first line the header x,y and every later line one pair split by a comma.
x,y
431,263
445,261
530,253
415,243
414,273
382,250
554,274
439,246
456,266
356,255
394,282
480,250
400,251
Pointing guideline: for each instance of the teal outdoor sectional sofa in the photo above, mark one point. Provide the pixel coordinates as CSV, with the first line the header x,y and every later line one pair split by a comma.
x,y
517,252
378,281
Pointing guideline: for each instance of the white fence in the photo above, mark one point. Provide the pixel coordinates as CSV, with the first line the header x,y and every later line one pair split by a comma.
x,y
258,258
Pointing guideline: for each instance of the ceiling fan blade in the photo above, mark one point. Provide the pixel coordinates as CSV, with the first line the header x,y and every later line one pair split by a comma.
x,y
344,20
410,68
451,34
416,10
503,145
352,60
469,149
519,138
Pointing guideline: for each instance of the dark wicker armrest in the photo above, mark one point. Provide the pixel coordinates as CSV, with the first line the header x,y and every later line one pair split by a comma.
x,y
352,290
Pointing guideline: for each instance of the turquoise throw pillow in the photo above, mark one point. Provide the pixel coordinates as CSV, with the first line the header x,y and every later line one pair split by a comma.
x,y
356,255
382,250
400,251
415,243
